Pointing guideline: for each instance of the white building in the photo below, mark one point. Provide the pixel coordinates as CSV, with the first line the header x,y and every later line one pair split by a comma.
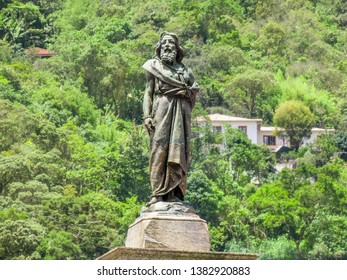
x,y
254,130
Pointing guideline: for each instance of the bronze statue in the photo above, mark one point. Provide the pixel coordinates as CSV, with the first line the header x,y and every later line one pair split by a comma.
x,y
168,101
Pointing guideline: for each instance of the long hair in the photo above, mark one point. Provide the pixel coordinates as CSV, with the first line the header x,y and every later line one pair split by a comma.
x,y
179,49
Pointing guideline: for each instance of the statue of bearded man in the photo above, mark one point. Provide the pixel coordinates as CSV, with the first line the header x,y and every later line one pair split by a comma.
x,y
168,101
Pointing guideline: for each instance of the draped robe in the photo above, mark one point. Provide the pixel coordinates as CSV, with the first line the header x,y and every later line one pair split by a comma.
x,y
173,99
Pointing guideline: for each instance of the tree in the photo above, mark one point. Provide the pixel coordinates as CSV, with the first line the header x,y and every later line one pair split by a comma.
x,y
341,143
307,205
324,237
271,40
322,150
59,245
322,103
204,196
294,120
251,92
22,24
19,239
247,160
93,222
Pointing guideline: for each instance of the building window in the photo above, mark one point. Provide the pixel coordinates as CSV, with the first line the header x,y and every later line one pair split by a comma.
x,y
217,129
269,140
244,129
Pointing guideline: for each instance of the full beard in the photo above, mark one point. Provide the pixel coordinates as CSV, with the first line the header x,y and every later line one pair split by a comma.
x,y
168,56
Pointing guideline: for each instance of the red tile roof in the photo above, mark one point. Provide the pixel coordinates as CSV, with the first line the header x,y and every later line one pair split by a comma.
x,y
39,52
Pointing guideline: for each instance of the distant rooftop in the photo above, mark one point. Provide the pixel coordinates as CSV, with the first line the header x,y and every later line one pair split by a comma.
x,y
323,129
314,129
225,118
39,52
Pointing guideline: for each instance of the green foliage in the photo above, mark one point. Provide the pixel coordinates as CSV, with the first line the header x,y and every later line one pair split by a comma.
x,y
322,103
291,204
234,220
278,249
93,222
271,39
6,51
64,103
204,196
16,123
253,94
22,24
323,150
10,214
27,23
324,237
85,167
295,121
276,212
127,164
19,239
59,245
247,160
341,143
272,249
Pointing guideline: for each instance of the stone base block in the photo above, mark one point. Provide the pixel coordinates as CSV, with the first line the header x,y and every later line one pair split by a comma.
x,y
172,226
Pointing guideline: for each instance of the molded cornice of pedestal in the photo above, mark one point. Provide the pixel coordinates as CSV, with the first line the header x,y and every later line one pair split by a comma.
x,y
122,253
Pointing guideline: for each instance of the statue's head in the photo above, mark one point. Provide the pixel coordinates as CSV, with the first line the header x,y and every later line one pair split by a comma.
x,y
168,48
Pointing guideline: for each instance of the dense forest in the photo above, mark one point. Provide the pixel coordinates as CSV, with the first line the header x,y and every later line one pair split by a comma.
x,y
74,153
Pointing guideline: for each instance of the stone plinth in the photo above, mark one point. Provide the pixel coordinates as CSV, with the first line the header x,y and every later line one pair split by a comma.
x,y
169,225
122,253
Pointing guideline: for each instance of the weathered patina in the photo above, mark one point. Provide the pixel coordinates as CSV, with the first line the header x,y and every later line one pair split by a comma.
x,y
168,101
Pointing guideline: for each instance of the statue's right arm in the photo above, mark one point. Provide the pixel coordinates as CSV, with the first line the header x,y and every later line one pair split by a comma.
x,y
148,101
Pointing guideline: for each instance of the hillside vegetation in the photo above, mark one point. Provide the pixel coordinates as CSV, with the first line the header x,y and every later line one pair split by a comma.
x,y
74,154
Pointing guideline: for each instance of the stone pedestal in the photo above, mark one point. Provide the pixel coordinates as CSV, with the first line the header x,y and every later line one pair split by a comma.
x,y
169,231
169,225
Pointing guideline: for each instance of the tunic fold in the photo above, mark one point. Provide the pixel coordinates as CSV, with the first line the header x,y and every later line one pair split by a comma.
x,y
173,100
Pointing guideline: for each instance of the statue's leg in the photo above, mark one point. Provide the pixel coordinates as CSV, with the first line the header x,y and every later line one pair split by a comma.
x,y
170,197
160,148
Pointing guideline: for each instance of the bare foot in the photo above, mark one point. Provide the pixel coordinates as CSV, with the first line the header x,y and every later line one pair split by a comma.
x,y
178,200
171,197
153,200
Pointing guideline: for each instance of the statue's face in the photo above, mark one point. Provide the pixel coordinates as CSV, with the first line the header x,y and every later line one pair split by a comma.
x,y
168,49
